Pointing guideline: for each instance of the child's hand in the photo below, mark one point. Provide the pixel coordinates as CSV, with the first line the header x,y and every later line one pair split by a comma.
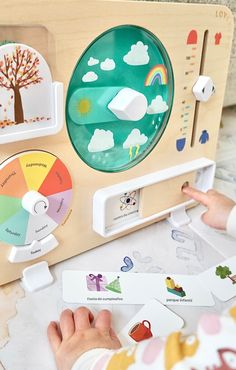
x,y
219,206
75,335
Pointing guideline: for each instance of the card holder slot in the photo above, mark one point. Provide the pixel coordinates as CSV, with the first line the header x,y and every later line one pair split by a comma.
x,y
130,204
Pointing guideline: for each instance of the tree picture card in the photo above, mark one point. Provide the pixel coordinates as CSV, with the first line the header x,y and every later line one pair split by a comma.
x,y
27,94
221,279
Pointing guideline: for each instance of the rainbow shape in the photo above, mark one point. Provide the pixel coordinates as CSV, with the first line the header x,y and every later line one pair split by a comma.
x,y
158,72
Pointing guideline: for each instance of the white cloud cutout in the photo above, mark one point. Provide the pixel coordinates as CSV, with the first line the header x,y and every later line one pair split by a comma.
x,y
135,138
101,140
138,55
90,77
92,61
108,65
158,105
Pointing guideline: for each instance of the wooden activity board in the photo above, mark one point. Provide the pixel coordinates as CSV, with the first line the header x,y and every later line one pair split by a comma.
x,y
103,118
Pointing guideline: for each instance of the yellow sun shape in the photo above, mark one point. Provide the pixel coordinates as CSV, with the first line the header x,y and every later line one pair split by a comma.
x,y
84,106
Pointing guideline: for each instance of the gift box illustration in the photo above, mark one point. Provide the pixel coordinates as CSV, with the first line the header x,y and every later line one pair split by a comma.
x,y
96,282
99,283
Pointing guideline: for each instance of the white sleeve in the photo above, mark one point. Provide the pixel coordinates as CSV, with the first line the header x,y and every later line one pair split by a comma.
x,y
86,361
231,223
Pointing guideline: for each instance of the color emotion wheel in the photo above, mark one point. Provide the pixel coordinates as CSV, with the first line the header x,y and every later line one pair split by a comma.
x,y
119,98
35,194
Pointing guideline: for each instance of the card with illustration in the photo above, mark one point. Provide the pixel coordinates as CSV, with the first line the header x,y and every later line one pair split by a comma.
x,y
134,288
153,320
221,279
122,208
92,287
183,290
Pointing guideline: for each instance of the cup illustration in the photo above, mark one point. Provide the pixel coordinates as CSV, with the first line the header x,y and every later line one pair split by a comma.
x,y
141,331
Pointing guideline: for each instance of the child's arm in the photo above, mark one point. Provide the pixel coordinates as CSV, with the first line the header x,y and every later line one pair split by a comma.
x,y
79,345
221,213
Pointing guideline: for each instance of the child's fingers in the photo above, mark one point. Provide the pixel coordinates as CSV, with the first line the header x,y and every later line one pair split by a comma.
x,y
207,219
103,321
197,195
114,336
83,318
67,324
204,218
54,336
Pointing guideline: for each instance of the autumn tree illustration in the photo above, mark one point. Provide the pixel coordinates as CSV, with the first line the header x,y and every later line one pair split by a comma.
x,y
19,71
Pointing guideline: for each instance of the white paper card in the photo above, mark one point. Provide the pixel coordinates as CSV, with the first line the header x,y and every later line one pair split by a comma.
x,y
221,279
93,287
153,320
122,208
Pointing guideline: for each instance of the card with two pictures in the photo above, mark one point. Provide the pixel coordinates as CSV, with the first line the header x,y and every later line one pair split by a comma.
x,y
94,287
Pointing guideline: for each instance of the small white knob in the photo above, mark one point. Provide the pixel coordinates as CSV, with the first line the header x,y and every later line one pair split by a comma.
x,y
35,203
129,105
204,88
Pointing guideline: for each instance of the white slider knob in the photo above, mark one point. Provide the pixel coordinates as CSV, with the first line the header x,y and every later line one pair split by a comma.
x,y
35,203
129,105
204,88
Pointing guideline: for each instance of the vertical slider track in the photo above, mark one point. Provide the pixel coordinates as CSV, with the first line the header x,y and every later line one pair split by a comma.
x,y
197,104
